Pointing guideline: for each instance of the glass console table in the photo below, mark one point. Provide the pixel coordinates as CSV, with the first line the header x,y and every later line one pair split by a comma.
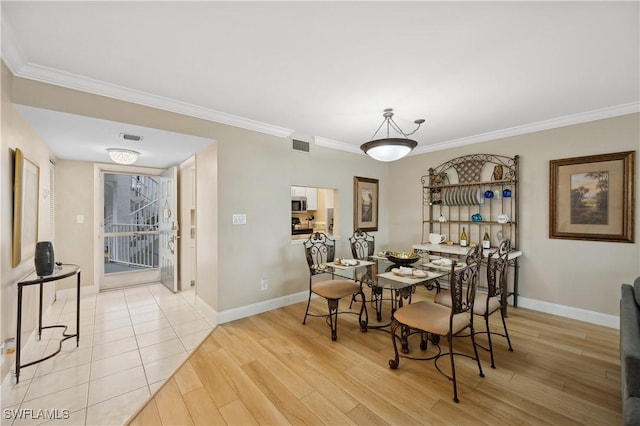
x,y
60,272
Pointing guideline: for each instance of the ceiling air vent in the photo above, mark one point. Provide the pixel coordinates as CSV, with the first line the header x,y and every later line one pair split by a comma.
x,y
129,137
300,146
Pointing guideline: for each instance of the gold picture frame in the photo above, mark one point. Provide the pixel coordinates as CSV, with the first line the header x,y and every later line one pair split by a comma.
x,y
592,197
365,204
25,208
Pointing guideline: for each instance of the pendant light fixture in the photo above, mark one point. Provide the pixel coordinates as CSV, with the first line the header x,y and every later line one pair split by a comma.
x,y
390,149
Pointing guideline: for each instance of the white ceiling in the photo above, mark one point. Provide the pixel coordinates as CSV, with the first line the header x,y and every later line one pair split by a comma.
x,y
324,71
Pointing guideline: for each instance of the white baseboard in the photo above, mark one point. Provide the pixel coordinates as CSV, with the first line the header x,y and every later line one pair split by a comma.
x,y
592,317
260,307
205,310
71,292
214,317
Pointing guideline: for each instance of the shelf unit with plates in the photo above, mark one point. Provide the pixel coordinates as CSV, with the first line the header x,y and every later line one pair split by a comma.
x,y
477,192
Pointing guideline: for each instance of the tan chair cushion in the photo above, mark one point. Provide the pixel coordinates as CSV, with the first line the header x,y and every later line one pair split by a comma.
x,y
335,289
431,317
479,306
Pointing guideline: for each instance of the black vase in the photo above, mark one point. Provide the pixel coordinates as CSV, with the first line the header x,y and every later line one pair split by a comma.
x,y
44,259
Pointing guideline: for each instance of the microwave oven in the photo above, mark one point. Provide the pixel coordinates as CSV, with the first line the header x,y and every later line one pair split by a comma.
x,y
298,204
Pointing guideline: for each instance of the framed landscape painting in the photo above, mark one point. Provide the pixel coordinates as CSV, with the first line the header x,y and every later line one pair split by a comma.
x,y
365,191
592,197
25,208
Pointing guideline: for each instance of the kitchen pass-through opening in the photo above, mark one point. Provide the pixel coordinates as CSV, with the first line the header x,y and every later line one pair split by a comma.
x,y
313,210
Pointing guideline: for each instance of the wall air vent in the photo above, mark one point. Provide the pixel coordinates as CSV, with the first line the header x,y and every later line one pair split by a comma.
x,y
300,146
129,137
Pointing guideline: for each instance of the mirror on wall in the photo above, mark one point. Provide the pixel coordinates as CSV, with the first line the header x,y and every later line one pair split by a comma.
x,y
312,210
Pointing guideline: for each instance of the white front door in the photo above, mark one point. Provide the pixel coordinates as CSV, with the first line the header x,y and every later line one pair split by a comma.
x,y
130,230
168,227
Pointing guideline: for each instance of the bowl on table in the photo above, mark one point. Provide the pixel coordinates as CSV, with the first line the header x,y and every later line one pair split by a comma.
x,y
403,258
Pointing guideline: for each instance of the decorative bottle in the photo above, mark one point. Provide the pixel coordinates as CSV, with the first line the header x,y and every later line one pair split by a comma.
x,y
486,240
463,238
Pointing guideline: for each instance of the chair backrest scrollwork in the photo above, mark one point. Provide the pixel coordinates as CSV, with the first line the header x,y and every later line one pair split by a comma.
x,y
463,284
497,263
319,249
363,245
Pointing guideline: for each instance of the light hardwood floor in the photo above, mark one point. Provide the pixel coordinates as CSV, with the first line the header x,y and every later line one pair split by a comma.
x,y
270,369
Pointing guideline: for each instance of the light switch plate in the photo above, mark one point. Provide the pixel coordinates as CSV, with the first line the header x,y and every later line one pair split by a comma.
x,y
239,219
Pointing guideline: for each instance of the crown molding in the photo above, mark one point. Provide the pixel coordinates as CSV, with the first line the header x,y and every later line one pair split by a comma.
x,y
84,84
569,120
333,144
12,55
18,65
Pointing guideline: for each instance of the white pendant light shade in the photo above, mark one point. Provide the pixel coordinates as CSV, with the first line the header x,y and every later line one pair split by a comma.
x,y
389,149
123,156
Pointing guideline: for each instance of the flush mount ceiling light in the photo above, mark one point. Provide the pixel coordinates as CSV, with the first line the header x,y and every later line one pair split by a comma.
x,y
123,156
390,149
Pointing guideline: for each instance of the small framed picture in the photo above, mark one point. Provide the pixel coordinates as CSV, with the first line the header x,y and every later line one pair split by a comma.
x,y
592,198
365,191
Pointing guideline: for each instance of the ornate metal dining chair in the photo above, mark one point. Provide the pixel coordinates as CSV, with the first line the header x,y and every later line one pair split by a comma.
x,y
495,299
433,320
320,251
363,246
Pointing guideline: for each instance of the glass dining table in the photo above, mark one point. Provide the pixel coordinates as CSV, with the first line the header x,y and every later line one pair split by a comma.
x,y
380,274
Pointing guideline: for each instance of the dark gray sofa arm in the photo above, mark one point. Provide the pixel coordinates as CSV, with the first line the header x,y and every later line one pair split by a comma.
x,y
630,352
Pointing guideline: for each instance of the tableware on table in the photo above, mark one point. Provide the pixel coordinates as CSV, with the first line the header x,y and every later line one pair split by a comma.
x,y
437,238
346,262
476,217
488,194
443,261
503,218
403,271
409,272
403,258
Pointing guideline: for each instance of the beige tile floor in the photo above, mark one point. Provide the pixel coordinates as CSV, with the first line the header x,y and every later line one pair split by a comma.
x,y
131,341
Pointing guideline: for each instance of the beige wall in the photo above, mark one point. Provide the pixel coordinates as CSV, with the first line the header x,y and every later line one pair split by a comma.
x,y
579,274
17,134
242,172
255,174
251,173
74,197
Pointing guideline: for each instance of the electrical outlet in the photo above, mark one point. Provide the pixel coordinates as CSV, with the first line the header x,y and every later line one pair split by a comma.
x,y
264,284
239,219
